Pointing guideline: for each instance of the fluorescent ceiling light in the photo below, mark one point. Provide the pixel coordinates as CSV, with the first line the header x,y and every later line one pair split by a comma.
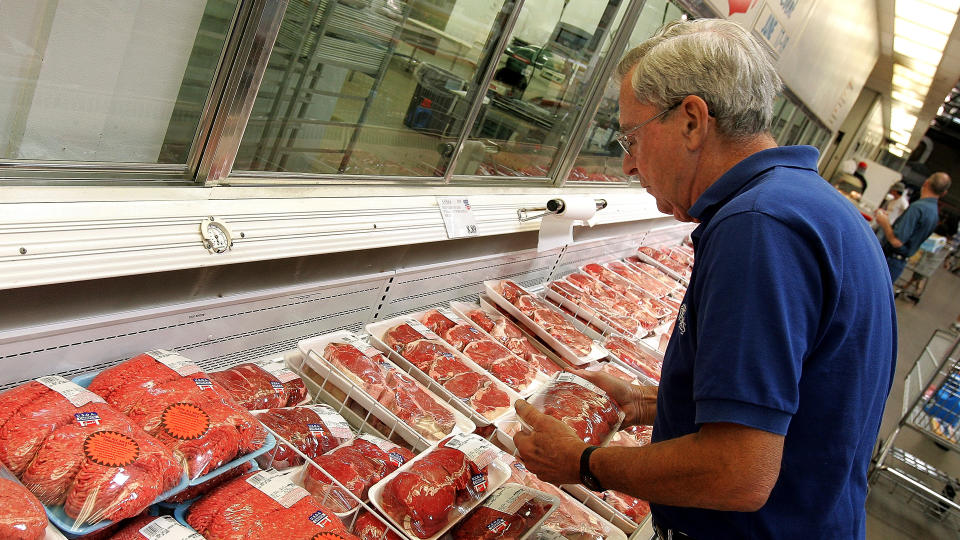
x,y
895,151
902,138
949,5
916,51
908,99
919,33
927,15
899,81
913,75
901,120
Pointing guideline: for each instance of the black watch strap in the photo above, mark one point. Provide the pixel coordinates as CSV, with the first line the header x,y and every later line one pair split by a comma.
x,y
586,477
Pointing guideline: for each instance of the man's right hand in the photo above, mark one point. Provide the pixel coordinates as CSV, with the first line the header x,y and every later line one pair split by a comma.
x,y
639,403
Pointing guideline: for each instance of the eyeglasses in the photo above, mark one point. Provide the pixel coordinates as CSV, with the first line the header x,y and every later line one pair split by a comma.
x,y
624,138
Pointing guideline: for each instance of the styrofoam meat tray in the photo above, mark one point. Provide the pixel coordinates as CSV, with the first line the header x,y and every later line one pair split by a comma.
x,y
269,442
552,501
602,508
591,318
597,352
674,285
541,377
648,349
491,308
640,292
497,475
378,329
639,378
313,348
296,475
663,268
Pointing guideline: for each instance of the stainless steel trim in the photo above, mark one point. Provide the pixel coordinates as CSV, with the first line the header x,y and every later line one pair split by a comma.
x,y
211,104
22,172
258,32
581,125
481,90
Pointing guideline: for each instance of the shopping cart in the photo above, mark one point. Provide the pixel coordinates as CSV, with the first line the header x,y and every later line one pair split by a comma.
x,y
921,265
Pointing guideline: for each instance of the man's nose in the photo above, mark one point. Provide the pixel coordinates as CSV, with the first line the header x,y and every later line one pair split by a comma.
x,y
629,167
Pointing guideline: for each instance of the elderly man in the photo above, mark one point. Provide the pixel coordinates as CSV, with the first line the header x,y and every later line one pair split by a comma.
x,y
903,238
775,378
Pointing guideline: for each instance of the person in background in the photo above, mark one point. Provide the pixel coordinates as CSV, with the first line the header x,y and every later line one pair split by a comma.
x,y
774,381
902,239
897,202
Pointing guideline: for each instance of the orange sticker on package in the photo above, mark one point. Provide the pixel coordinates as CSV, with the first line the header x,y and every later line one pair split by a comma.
x,y
328,536
184,421
111,449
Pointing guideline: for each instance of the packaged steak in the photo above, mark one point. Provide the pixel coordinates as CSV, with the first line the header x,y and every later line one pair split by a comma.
x,y
155,528
22,517
647,302
311,429
196,491
639,278
359,372
594,311
71,449
253,387
368,526
509,335
264,504
356,465
429,494
570,519
173,400
513,512
483,396
634,355
581,405
487,353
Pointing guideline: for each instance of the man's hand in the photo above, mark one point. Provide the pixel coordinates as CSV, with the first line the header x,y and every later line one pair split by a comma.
x,y
552,451
639,403
882,218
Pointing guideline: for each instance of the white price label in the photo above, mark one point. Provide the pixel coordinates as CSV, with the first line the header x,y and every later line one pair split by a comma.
x,y
448,313
457,216
338,427
75,394
278,369
182,365
421,329
570,377
277,486
167,528
386,446
477,449
509,499
361,344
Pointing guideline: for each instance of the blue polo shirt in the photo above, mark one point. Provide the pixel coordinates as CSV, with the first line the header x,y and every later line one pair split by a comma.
x,y
788,326
912,228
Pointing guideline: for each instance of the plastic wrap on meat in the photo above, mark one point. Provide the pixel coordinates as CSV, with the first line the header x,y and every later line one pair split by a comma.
x,y
588,306
646,282
263,505
154,528
581,405
509,513
513,339
398,337
80,452
652,270
369,527
22,517
312,430
634,356
396,391
357,465
253,388
632,507
193,492
663,257
546,318
189,413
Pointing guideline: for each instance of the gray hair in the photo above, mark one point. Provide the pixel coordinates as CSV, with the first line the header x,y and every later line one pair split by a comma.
x,y
712,58
939,183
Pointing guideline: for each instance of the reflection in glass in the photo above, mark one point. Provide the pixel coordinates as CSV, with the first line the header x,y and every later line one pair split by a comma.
x,y
601,158
372,87
106,80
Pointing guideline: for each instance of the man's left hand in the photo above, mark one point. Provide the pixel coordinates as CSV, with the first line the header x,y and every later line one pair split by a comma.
x,y
881,217
552,450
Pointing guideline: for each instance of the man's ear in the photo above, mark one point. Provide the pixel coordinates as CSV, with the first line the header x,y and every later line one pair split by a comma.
x,y
695,115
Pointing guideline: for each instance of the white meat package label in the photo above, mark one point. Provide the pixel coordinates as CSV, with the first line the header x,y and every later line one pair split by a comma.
x,y
338,427
277,486
75,394
509,499
570,377
181,364
361,345
421,329
477,449
278,369
448,313
167,528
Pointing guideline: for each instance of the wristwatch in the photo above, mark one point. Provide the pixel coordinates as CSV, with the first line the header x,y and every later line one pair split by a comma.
x,y
586,477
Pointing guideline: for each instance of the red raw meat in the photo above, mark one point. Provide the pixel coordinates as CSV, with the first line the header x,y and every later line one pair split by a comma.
x,y
646,282
552,322
592,415
399,393
189,414
435,359
398,337
461,335
304,429
490,523
501,363
436,321
490,398
193,492
357,466
653,271
634,294
665,259
165,525
634,356
369,527
22,517
52,444
482,319
511,292
252,387
588,306
632,507
425,494
237,510
512,338
465,385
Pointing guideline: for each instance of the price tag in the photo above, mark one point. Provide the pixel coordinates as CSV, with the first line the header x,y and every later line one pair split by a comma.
x,y
457,216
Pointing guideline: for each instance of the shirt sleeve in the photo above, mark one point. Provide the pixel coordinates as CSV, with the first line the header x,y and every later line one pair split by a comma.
x,y
761,293
904,226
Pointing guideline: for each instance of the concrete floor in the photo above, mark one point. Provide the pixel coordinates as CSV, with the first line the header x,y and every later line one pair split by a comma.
x,y
889,515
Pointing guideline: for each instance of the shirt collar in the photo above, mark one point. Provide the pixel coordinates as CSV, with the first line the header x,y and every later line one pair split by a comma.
x,y
743,173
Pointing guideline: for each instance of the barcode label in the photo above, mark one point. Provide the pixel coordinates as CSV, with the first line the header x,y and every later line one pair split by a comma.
x,y
338,427
477,449
166,528
182,365
422,329
74,393
278,369
570,377
509,499
277,486
448,313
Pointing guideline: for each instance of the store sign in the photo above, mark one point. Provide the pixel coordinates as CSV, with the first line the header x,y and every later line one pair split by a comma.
x,y
457,216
